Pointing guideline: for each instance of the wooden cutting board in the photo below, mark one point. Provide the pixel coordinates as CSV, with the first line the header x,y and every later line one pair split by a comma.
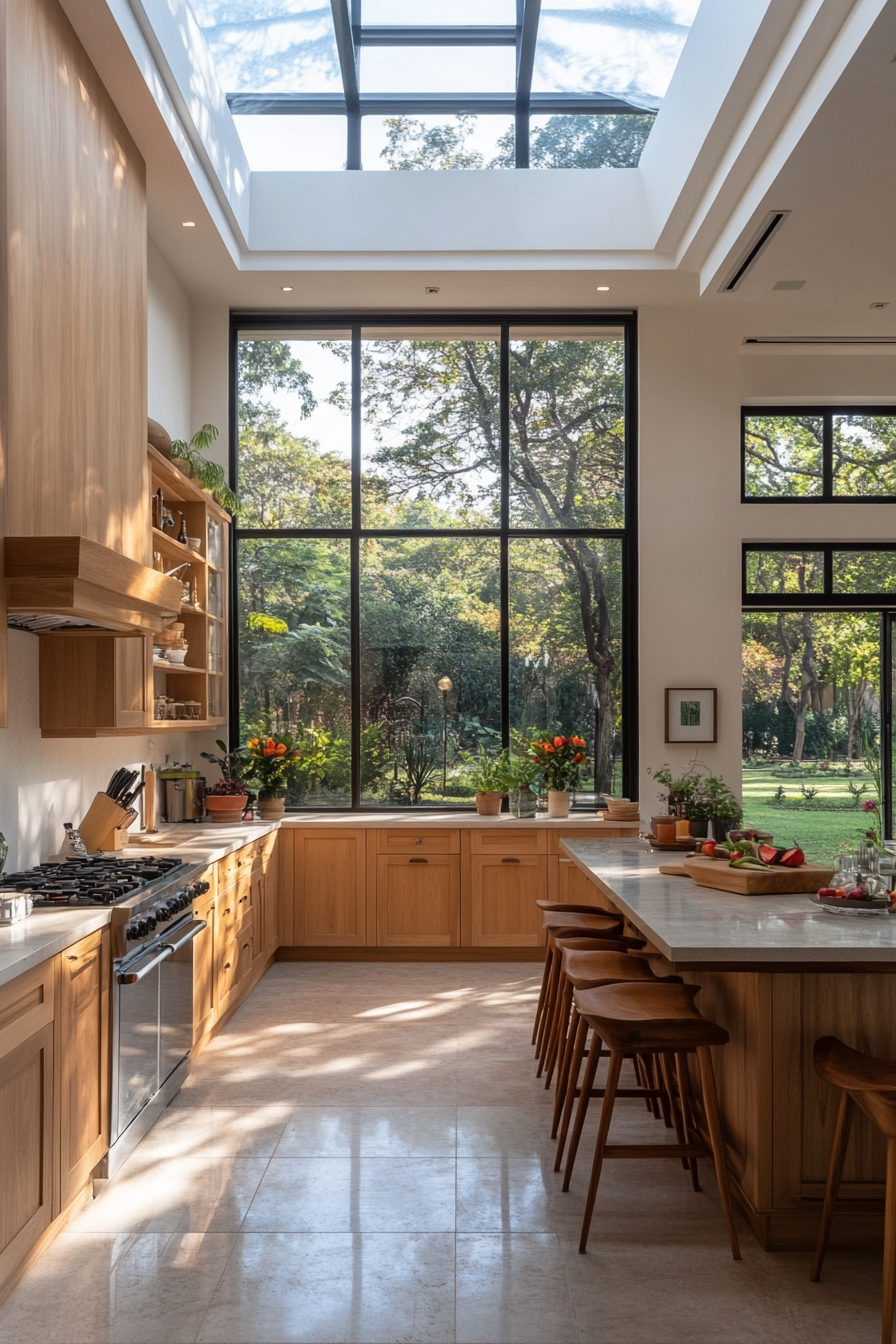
x,y
674,870
750,882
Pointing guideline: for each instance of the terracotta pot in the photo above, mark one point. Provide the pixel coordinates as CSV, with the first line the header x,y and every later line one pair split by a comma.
x,y
271,809
664,820
558,803
489,804
226,808
664,830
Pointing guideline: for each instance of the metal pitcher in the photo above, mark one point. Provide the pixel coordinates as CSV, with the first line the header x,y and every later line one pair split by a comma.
x,y
184,795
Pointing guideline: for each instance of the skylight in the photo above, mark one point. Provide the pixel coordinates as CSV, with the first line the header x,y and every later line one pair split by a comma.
x,y
556,84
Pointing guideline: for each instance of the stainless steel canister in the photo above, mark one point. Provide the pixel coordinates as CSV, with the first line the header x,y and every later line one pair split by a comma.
x,y
184,795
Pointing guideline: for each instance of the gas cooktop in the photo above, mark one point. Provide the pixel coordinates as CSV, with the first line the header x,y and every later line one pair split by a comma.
x,y
102,880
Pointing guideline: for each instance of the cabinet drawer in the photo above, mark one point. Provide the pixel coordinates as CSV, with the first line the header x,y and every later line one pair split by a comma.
x,y
515,840
241,862
418,842
26,1005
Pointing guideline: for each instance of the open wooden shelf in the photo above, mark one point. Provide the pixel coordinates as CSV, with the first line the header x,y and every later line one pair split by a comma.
x,y
164,540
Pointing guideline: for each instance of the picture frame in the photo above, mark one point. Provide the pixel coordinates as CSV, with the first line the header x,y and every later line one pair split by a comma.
x,y
691,714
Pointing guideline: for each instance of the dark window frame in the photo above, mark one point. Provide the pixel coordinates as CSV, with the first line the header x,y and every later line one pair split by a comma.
x,y
827,599
627,535
826,414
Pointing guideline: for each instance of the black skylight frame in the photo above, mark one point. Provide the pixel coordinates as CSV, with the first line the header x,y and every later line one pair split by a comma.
x,y
826,415
627,535
827,599
352,35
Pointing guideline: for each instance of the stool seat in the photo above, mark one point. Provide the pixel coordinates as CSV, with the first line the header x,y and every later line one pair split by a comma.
x,y
570,919
590,970
658,1016
574,909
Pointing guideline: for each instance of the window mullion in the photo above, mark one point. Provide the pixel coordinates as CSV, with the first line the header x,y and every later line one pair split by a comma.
x,y
355,572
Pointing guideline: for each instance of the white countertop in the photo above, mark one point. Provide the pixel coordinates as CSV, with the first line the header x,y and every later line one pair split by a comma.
x,y
40,937
411,820
197,843
697,927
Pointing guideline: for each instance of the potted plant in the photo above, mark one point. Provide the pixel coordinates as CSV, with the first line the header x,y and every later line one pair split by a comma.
x,y
226,801
559,760
522,772
272,763
720,805
488,775
679,792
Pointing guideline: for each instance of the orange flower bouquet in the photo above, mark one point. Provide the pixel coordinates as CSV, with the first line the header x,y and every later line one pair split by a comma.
x,y
272,761
560,760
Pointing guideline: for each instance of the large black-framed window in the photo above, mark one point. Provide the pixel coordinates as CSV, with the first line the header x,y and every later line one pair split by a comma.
x,y
818,454
391,500
853,578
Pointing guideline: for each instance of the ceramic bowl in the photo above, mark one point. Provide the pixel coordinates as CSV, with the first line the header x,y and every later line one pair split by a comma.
x,y
177,655
194,543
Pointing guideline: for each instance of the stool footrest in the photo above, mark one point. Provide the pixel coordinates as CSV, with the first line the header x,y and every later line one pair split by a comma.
x,y
649,1150
625,1092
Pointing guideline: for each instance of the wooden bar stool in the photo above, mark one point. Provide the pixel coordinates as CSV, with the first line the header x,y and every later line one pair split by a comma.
x,y
870,1084
583,966
657,1019
546,906
556,924
596,921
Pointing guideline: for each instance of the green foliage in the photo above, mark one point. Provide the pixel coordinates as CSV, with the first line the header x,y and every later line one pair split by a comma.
x,y
210,475
712,800
783,455
420,765
487,773
411,144
606,141
235,765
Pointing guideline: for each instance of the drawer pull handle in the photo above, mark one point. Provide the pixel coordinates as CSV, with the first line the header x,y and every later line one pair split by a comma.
x,y
419,840
510,860
418,860
227,965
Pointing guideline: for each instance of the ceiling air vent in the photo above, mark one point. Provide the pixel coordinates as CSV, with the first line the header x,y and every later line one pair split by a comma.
x,y
758,243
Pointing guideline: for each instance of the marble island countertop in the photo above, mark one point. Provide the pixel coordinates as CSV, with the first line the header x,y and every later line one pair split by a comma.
x,y
699,928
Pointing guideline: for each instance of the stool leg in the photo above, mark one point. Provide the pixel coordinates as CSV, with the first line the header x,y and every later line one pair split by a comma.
x,y
665,1063
547,1017
606,1114
578,1052
563,1070
584,1098
889,1290
835,1171
560,1027
717,1143
539,1008
687,1112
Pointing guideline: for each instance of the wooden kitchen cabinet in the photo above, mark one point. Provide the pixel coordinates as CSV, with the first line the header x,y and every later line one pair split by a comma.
x,y
567,882
83,1029
503,892
205,1002
266,906
28,1187
418,900
330,888
92,683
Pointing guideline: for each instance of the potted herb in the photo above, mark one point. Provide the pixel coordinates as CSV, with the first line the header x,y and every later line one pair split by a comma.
x,y
679,792
272,763
226,801
721,806
559,760
489,777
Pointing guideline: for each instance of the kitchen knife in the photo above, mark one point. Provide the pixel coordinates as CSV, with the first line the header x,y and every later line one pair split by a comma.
x,y
114,784
129,799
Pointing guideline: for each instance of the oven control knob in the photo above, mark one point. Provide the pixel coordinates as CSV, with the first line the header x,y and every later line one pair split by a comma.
x,y
150,921
162,912
131,931
200,888
140,928
184,896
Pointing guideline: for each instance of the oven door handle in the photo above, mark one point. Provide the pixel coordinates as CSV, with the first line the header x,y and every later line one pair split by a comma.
x,y
191,931
132,977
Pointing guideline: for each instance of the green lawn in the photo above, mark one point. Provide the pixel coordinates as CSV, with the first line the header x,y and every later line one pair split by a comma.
x,y
832,820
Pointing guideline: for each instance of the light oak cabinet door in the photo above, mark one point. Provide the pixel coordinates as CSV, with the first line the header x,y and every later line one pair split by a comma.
x,y
330,889
83,1032
28,1199
266,908
418,901
569,884
503,892
205,1004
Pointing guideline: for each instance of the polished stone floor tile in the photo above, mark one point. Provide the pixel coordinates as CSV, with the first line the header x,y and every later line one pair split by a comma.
x,y
514,1194
512,1290
216,1131
282,1288
512,1131
177,1194
103,1288
369,1131
337,1194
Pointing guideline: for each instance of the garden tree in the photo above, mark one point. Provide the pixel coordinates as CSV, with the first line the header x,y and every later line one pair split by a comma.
x,y
852,641
286,481
783,455
604,141
800,688
864,455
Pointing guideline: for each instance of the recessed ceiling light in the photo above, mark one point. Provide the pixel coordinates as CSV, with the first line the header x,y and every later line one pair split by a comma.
x,y
602,289
188,224
879,304
788,284
287,289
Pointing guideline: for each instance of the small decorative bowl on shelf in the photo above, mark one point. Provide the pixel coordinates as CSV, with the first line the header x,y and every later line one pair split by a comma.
x,y
178,655
194,543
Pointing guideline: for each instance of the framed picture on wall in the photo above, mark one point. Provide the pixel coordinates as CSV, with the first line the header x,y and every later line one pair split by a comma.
x,y
691,714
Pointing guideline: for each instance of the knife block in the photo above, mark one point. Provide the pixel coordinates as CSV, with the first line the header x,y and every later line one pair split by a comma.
x,y
101,826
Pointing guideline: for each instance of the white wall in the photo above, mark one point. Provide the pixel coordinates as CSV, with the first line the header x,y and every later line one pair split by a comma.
x,y
169,352
46,781
211,336
695,374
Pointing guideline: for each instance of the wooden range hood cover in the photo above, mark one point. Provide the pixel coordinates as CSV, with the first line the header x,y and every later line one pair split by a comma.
x,y
80,578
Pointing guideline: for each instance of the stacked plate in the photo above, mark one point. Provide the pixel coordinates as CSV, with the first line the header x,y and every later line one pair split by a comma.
x,y
621,809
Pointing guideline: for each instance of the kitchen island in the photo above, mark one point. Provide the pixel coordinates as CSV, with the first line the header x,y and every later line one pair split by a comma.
x,y
777,972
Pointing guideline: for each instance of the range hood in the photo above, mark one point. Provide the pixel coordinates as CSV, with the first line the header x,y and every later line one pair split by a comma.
x,y
80,582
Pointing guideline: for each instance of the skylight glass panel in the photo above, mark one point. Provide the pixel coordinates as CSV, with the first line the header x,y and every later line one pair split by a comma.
x,y
623,47
271,46
293,144
436,141
420,12
438,69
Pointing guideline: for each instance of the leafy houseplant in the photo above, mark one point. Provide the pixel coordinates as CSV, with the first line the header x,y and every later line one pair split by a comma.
x,y
489,777
226,801
680,790
522,772
273,762
210,475
712,800
559,760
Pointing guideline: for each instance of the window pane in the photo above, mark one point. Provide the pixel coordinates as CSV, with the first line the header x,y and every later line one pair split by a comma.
x,y
785,572
437,142
295,430
567,428
293,144
294,656
429,610
865,571
420,12
438,69
629,49
431,429
864,454
783,456
563,676
588,141
288,46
